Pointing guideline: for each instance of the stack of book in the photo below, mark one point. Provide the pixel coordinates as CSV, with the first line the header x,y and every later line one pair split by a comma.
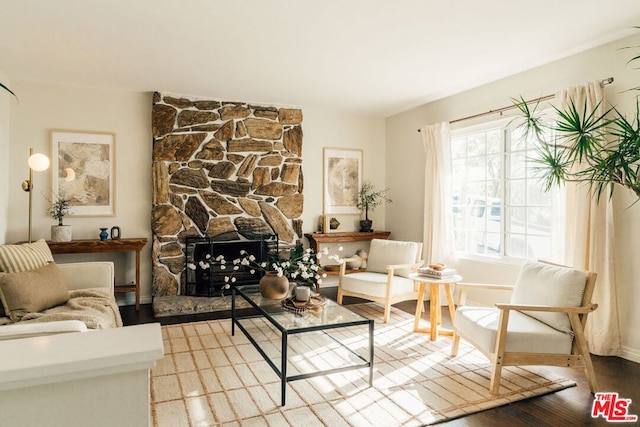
x,y
446,273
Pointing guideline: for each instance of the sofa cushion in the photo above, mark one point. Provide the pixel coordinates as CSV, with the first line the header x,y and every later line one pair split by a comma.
x,y
32,291
544,284
392,252
30,330
23,257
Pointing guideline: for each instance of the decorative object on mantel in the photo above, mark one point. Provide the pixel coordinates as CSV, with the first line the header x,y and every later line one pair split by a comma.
x,y
363,255
103,234
321,224
334,224
115,232
354,264
359,263
368,199
58,209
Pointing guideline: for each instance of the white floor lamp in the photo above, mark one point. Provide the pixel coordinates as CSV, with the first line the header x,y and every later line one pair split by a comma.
x,y
37,162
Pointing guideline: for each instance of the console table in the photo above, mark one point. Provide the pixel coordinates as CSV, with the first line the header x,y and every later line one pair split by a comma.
x,y
92,246
316,239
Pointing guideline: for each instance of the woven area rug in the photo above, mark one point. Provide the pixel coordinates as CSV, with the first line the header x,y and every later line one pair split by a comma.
x,y
209,377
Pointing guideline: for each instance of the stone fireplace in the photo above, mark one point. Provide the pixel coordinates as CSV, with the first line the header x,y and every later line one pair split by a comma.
x,y
221,170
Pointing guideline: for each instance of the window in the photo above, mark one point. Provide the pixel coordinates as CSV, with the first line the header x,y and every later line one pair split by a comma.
x,y
499,207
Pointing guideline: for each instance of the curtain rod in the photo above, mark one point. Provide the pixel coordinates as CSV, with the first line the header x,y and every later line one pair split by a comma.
x,y
604,82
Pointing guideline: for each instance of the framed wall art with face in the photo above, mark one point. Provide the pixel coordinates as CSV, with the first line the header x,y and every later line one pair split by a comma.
x,y
342,170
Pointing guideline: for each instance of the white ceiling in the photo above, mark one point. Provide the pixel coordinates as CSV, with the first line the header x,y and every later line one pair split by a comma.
x,y
374,57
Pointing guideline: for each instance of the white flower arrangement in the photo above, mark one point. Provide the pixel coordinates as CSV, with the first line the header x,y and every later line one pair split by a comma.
x,y
297,264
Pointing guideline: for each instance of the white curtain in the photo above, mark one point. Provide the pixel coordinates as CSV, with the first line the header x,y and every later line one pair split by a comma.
x,y
438,228
589,239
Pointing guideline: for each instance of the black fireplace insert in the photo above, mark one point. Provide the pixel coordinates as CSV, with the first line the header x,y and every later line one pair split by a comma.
x,y
210,282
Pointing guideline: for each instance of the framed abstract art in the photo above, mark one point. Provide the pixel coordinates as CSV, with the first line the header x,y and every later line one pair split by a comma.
x,y
84,171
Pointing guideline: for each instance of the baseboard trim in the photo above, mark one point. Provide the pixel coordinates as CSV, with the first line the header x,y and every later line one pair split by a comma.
x,y
630,354
129,299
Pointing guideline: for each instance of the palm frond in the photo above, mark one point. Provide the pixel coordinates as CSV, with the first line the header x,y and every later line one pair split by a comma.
x,y
8,90
583,130
531,124
552,165
599,149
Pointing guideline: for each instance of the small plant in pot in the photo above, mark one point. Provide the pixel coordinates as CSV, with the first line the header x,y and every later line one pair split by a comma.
x,y
58,209
368,199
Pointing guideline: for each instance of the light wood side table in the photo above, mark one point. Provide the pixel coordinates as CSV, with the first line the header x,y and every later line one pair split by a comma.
x,y
435,309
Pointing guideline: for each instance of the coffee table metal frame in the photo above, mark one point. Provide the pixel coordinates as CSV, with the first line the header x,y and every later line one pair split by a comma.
x,y
281,371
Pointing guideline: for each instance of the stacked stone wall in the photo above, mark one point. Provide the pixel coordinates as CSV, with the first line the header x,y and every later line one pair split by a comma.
x,y
225,170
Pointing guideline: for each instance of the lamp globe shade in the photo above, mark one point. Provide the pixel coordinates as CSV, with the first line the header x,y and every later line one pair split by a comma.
x,y
38,162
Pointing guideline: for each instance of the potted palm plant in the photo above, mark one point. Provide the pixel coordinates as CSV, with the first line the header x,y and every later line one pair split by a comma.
x,y
599,149
58,209
602,150
368,199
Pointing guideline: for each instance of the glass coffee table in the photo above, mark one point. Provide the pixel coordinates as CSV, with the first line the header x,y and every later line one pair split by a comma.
x,y
303,345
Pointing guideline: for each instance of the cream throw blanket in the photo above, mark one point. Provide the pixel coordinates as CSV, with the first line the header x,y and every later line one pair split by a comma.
x,y
94,308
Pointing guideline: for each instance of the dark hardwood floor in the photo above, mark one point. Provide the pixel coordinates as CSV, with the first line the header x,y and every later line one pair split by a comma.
x,y
569,407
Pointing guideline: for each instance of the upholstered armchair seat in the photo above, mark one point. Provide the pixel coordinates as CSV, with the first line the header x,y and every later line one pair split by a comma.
x,y
543,324
385,280
525,332
375,284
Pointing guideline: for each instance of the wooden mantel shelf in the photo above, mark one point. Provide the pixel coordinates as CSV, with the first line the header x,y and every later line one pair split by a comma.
x,y
315,239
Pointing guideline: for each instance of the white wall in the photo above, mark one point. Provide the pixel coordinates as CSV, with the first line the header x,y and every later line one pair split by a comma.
x,y
405,161
5,99
336,129
44,107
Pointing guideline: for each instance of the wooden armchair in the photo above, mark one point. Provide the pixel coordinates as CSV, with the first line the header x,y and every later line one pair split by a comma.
x,y
386,278
542,325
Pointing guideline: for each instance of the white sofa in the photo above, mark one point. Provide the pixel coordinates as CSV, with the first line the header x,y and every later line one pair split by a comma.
x,y
56,375
95,276
98,378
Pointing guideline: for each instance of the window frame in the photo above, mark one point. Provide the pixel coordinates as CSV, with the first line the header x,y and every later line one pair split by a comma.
x,y
506,127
